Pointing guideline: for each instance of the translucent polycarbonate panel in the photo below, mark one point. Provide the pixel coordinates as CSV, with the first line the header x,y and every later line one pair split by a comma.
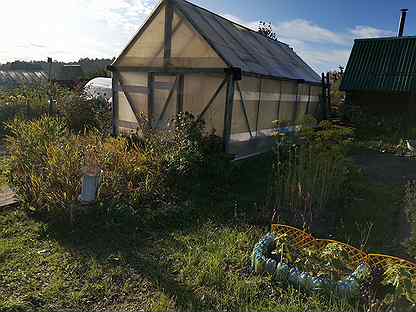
x,y
277,100
249,87
314,108
302,101
148,49
198,92
134,84
287,111
164,100
190,49
270,95
125,112
134,78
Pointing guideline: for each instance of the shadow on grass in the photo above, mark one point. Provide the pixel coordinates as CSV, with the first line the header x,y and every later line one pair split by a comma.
x,y
136,247
143,243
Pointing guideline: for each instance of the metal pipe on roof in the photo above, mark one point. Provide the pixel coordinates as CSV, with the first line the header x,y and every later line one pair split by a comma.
x,y
402,22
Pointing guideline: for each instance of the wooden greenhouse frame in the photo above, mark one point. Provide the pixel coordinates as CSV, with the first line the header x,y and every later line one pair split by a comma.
x,y
185,58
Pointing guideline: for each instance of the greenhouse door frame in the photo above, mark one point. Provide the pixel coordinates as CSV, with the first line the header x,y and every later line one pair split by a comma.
x,y
179,73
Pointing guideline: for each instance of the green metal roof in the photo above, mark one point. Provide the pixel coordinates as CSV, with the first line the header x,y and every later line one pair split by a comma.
x,y
382,64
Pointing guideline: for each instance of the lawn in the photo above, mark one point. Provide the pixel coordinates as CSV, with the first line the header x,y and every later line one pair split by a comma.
x,y
103,267
194,258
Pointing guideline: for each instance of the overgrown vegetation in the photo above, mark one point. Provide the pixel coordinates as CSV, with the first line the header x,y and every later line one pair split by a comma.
x,y
175,220
410,204
48,161
31,103
310,172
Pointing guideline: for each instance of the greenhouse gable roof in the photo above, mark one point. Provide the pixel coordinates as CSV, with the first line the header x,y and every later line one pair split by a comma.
x,y
244,48
22,77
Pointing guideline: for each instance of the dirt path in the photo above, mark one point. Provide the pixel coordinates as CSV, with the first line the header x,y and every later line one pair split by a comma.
x,y
386,168
389,169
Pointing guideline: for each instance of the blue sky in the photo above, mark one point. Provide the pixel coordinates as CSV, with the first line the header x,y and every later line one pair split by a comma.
x,y
320,31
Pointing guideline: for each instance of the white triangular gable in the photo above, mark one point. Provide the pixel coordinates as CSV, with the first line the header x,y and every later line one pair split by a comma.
x,y
189,49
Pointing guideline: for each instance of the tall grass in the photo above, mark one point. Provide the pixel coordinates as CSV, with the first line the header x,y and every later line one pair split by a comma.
x,y
304,182
410,206
152,173
309,172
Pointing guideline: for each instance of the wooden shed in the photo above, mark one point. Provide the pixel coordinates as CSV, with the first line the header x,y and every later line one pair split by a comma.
x,y
380,76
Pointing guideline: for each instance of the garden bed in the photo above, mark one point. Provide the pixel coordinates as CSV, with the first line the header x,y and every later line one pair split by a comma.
x,y
334,268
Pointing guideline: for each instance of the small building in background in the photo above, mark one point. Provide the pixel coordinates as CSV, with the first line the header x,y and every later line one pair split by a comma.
x,y
380,76
16,78
69,76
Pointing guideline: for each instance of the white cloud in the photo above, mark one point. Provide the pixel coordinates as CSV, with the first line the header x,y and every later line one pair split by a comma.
x,y
307,31
370,32
69,29
321,48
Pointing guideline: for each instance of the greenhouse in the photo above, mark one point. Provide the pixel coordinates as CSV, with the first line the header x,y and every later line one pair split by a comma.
x,y
188,59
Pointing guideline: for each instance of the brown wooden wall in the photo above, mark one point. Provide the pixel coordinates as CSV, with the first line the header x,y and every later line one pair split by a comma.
x,y
383,102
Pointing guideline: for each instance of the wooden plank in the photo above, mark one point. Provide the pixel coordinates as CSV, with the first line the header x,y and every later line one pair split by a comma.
x,y
150,97
258,105
296,108
243,106
328,88
114,106
279,102
256,75
8,198
180,94
309,100
169,70
323,101
228,116
165,106
168,33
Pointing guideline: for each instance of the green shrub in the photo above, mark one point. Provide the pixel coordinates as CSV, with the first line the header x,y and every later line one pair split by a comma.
x,y
150,174
44,163
25,103
190,158
83,114
28,103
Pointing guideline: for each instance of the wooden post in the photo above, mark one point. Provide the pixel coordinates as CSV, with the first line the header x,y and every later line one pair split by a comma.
x,y
50,108
324,110
328,86
280,101
296,108
114,106
168,33
150,97
258,105
179,101
228,116
309,100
